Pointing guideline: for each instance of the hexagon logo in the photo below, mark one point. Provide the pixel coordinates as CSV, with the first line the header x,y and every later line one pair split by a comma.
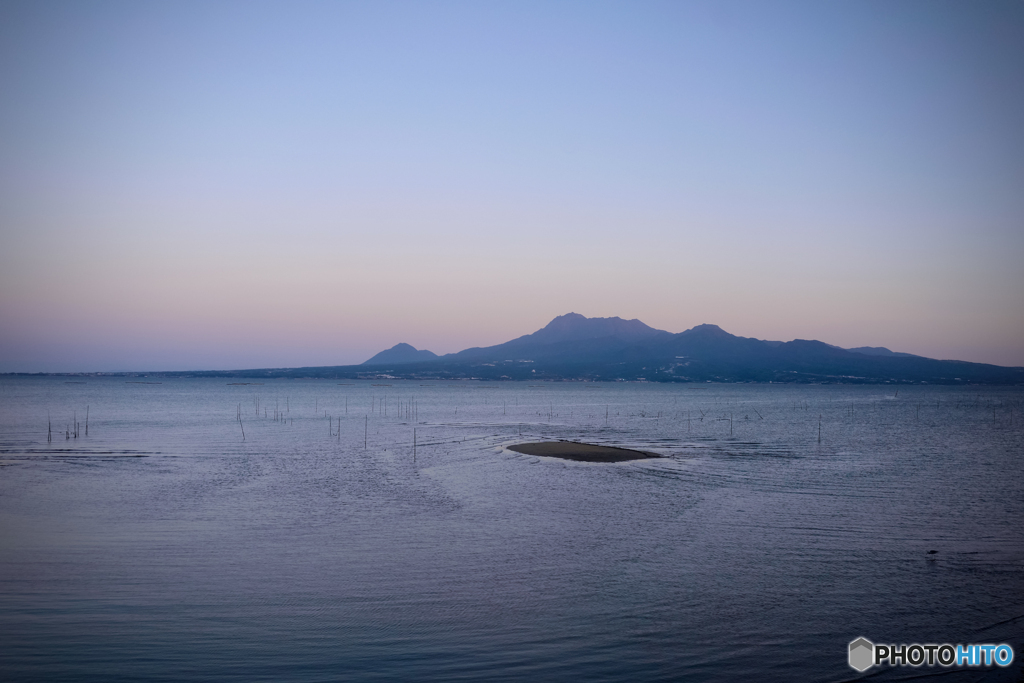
x,y
862,654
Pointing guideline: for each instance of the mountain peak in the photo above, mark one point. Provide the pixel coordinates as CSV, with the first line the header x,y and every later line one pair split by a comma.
x,y
707,329
401,353
573,326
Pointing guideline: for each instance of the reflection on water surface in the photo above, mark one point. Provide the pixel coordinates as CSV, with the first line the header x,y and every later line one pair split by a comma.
x,y
322,547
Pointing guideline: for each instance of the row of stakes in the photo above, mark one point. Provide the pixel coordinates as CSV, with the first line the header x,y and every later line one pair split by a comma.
x,y
70,431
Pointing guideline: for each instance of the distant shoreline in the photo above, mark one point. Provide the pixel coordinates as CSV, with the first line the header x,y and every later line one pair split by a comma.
x,y
573,348
302,374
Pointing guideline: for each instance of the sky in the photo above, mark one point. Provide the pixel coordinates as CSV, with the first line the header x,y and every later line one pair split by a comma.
x,y
222,185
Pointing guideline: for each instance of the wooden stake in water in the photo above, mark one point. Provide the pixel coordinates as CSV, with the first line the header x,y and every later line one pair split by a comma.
x,y
87,420
819,428
366,422
49,428
414,444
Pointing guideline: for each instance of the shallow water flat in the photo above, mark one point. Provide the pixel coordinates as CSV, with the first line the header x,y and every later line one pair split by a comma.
x,y
382,530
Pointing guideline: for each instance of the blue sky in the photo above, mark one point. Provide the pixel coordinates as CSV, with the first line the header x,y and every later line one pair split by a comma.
x,y
224,185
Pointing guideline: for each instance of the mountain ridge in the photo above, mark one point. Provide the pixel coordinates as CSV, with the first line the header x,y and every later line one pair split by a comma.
x,y
575,348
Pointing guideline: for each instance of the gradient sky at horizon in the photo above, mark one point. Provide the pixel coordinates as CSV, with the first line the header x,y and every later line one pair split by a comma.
x,y
196,185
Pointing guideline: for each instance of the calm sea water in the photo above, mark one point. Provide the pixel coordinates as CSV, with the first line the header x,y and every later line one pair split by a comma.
x,y
325,546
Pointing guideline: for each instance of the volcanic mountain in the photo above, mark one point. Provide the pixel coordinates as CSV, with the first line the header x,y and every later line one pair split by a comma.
x,y
574,347
401,353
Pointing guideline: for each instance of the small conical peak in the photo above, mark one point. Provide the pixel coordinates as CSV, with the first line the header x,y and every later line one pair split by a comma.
x,y
707,330
401,353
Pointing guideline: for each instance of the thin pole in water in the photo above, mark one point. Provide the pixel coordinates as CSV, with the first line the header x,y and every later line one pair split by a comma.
x,y
366,422
87,420
414,444
819,428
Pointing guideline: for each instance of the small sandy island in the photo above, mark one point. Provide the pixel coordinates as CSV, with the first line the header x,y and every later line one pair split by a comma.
x,y
584,452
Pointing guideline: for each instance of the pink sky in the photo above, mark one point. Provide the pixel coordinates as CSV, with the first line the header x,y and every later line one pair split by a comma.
x,y
182,190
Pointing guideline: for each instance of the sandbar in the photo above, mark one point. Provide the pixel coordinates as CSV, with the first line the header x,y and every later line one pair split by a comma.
x,y
582,452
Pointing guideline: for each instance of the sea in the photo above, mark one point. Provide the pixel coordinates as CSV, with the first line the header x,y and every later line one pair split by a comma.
x,y
198,529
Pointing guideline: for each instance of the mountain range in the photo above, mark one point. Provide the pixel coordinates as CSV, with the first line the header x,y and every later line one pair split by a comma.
x,y
574,347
